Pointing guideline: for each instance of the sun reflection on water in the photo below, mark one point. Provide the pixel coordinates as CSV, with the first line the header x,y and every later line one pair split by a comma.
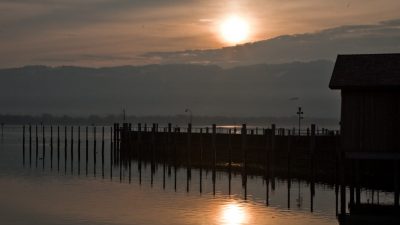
x,y
233,214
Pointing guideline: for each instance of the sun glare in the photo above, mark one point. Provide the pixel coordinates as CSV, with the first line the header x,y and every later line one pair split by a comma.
x,y
234,30
233,214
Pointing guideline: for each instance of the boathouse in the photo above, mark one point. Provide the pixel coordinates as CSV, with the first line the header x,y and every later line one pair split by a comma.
x,y
370,131
370,108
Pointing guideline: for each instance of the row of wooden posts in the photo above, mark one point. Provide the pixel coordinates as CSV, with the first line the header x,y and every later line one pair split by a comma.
x,y
121,142
116,133
55,145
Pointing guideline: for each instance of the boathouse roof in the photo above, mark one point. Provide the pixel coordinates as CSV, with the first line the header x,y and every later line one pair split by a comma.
x,y
366,71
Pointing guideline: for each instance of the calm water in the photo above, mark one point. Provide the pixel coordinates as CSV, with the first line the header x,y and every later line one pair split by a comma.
x,y
30,195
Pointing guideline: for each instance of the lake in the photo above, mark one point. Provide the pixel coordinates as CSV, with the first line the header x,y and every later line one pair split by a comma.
x,y
57,193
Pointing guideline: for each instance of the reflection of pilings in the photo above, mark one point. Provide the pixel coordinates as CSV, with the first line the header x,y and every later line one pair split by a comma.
x,y
23,145
65,149
43,148
72,149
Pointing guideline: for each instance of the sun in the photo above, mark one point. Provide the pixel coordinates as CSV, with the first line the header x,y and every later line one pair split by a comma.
x,y
234,30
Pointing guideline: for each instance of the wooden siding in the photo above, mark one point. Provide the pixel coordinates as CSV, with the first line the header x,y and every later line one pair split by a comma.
x,y
370,121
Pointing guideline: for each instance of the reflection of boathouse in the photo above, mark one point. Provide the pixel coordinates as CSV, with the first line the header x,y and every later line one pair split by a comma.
x,y
370,129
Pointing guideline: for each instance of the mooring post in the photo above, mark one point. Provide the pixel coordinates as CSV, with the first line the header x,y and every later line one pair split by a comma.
x,y
65,149
201,161
87,149
72,149
214,134
43,148
23,145
244,152
58,148
102,151
272,156
189,144
111,152
30,145
289,181
37,145
51,147
230,161
79,150
312,167
94,150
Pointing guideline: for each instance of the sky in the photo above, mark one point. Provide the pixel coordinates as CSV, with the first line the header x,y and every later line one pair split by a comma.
x,y
119,32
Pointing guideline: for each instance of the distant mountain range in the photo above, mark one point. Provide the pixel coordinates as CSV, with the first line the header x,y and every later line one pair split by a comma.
x,y
254,90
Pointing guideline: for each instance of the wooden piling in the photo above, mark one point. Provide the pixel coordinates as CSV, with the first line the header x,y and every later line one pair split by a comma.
x,y
43,147
111,153
65,149
244,152
229,161
23,145
72,149
201,161
58,148
102,152
37,145
51,147
289,181
272,157
87,149
94,151
188,168
79,150
214,148
30,145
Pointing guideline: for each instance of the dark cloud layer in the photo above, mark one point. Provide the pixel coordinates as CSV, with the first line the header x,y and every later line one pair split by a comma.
x,y
326,44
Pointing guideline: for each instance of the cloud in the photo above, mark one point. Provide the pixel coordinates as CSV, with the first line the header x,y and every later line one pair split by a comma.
x,y
325,44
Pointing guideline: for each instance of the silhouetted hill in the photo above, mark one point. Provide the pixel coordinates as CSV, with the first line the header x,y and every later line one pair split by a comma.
x,y
255,90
